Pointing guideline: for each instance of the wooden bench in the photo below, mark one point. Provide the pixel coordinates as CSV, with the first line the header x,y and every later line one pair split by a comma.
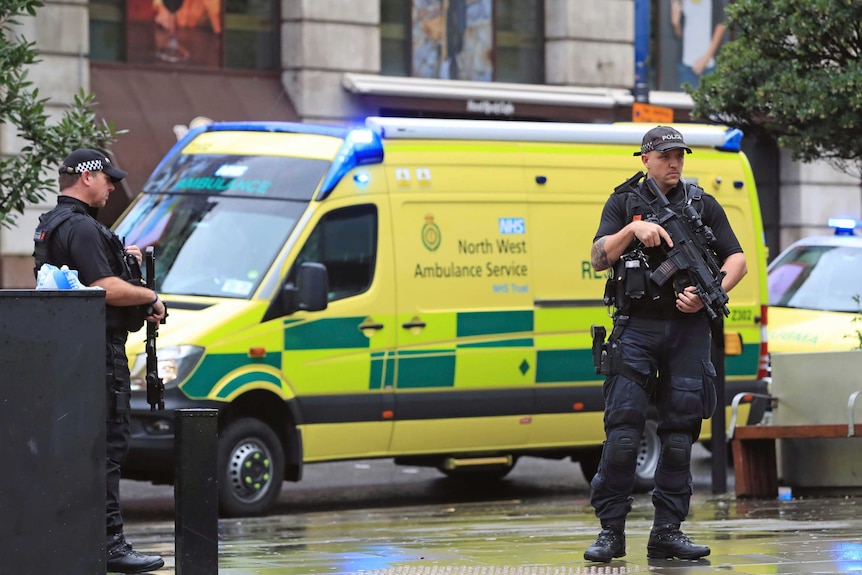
x,y
755,466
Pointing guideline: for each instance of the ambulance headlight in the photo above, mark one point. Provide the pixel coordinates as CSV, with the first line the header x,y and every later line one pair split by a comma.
x,y
175,363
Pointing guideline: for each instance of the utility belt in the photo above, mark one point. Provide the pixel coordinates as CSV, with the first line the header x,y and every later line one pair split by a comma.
x,y
125,319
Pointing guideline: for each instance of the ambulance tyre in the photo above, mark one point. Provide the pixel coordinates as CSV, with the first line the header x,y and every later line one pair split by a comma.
x,y
251,468
649,450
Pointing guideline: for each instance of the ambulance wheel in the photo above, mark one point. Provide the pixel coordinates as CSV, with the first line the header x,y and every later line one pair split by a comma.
x,y
251,468
649,450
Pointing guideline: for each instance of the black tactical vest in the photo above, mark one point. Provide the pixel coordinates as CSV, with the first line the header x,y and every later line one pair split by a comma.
x,y
629,288
48,223
637,206
128,318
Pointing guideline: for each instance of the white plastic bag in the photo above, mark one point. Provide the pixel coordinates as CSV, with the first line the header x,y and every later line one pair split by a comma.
x,y
52,277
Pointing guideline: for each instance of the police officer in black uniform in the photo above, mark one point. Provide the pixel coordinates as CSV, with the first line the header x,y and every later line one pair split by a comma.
x,y
70,235
661,352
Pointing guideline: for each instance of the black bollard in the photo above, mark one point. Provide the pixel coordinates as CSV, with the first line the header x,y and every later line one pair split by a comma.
x,y
196,491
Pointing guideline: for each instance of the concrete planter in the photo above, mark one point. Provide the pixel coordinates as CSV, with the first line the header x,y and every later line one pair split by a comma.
x,y
814,388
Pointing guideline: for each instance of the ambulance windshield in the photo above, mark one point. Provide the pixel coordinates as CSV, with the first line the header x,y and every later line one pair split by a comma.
x,y
217,221
210,245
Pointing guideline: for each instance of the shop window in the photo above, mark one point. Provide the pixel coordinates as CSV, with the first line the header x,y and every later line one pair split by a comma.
x,y
237,34
480,40
107,32
520,41
394,38
686,38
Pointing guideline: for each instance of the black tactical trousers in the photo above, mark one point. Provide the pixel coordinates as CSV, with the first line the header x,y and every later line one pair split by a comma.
x,y
117,425
678,350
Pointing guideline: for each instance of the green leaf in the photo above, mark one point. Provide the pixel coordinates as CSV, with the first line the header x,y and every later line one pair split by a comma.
x,y
792,73
46,142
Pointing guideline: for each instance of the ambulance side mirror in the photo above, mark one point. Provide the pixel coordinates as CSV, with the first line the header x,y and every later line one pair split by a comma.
x,y
310,293
313,286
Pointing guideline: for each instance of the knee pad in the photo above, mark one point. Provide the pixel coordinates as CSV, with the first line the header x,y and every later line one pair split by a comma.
x,y
621,448
676,450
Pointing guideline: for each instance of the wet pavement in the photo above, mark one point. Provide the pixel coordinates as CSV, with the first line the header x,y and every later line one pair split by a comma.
x,y
515,538
530,535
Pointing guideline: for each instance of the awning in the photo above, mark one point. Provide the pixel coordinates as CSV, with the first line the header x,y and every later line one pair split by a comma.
x,y
459,98
399,96
149,103
677,100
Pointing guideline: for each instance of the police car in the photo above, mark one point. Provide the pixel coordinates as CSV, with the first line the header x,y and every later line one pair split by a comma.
x,y
815,287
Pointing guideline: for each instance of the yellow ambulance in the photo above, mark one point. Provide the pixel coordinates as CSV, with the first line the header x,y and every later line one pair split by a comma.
x,y
415,289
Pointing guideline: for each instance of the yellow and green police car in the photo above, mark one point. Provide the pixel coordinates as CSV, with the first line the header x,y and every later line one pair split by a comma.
x,y
814,293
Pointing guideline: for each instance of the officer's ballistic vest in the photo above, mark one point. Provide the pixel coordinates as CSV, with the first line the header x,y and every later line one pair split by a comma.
x,y
629,288
130,318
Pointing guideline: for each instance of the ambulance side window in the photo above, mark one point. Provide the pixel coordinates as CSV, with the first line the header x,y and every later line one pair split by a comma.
x,y
345,241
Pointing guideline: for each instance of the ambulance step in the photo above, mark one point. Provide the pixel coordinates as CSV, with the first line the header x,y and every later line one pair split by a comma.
x,y
458,462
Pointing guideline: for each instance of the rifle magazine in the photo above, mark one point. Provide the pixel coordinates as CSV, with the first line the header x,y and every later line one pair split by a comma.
x,y
664,272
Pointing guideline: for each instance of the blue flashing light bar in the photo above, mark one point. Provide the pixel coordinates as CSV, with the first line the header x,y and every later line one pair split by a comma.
x,y
843,226
732,140
361,147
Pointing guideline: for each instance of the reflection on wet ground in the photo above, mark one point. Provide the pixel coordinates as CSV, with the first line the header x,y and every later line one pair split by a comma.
x,y
529,537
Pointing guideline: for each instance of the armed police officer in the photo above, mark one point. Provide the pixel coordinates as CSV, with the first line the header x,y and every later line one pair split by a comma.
x,y
659,349
70,235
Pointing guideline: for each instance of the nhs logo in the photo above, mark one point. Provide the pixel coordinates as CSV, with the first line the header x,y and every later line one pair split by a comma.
x,y
512,226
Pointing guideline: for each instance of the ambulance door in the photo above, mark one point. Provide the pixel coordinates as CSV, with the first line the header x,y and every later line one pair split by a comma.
x,y
465,357
568,186
336,359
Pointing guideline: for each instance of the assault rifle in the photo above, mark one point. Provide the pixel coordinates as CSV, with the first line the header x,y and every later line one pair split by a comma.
x,y
155,385
690,254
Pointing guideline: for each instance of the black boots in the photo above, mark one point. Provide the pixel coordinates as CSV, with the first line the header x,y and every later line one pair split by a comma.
x,y
667,542
611,543
123,559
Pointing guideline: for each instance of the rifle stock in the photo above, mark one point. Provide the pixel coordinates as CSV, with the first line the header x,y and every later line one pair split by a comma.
x,y
155,384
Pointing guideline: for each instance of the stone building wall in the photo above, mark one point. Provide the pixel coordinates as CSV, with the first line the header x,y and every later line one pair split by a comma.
x,y
60,31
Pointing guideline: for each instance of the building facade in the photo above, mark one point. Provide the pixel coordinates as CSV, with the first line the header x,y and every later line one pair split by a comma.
x,y
157,66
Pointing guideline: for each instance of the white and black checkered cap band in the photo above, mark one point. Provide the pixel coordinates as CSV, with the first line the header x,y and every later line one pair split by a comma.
x,y
91,165
85,160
